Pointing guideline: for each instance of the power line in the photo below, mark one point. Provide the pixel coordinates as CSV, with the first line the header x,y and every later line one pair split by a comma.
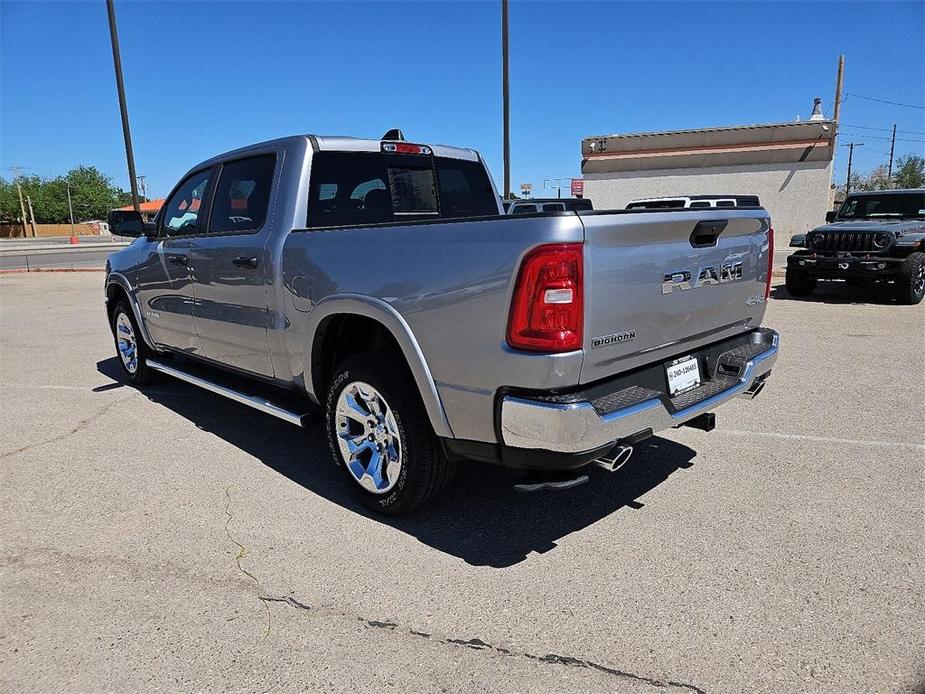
x,y
884,101
886,130
898,139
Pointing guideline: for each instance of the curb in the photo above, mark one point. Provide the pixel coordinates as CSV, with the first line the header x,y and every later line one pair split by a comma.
x,y
52,269
52,250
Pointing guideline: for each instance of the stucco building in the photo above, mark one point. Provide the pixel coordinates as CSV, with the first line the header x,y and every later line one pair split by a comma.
x,y
787,165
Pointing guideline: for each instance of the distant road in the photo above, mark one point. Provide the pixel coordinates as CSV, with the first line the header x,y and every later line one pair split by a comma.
x,y
16,260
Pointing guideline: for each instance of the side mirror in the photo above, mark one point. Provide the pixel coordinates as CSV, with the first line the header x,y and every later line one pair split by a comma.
x,y
830,216
126,223
798,241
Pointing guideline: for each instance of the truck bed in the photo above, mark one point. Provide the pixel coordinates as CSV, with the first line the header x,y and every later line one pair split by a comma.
x,y
452,284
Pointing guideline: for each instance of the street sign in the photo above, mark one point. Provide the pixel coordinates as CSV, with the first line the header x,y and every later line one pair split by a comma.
x,y
526,188
578,187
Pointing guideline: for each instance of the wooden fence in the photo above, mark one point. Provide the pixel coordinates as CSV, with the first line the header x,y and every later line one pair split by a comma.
x,y
15,230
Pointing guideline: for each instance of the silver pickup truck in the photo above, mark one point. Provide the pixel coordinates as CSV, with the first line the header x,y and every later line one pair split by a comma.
x,y
380,281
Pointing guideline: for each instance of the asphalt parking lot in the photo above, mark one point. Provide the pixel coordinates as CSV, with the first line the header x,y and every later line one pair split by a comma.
x,y
169,540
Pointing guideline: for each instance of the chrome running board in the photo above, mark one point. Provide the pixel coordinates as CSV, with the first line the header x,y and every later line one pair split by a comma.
x,y
257,403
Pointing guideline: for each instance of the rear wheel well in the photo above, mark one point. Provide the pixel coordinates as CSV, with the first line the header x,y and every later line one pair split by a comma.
x,y
344,335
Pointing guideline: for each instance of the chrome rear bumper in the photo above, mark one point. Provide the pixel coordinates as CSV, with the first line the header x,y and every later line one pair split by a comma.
x,y
573,427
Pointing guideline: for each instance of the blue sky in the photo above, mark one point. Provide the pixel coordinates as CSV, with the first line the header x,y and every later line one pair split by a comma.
x,y
205,77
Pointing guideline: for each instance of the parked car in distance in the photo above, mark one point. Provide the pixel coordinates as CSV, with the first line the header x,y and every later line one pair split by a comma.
x,y
534,205
874,237
379,282
695,201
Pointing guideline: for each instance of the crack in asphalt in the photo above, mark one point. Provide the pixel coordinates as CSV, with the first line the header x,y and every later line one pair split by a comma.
x,y
288,600
239,555
478,644
81,425
473,643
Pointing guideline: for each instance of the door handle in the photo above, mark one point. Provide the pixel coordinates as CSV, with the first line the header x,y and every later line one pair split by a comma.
x,y
245,261
179,259
706,233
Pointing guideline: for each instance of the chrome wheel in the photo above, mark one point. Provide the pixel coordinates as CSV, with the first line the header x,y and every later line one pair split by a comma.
x,y
367,436
126,343
918,282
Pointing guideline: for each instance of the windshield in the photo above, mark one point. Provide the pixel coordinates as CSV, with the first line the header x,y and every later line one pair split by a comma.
x,y
891,205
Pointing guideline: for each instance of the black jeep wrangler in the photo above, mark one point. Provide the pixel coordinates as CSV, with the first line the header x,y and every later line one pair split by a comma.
x,y
876,236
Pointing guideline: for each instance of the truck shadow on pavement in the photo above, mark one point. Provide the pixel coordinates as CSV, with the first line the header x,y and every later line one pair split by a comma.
x,y
482,519
841,293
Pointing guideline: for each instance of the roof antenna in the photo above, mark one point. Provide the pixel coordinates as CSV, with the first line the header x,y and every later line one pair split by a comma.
x,y
394,134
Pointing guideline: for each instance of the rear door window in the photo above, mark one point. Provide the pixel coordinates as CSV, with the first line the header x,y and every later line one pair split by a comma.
x,y
554,207
242,196
363,188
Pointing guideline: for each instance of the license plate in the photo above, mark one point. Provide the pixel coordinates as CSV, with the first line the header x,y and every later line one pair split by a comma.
x,y
683,375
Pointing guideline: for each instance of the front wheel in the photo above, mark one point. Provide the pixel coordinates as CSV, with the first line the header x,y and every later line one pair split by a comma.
x,y
798,283
380,437
130,346
910,281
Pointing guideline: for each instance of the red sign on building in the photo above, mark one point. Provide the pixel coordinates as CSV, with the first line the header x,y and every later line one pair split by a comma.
x,y
578,187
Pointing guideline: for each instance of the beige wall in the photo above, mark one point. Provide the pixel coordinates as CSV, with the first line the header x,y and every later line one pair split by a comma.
x,y
796,195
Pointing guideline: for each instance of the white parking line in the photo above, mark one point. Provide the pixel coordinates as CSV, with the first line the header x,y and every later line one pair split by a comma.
x,y
822,439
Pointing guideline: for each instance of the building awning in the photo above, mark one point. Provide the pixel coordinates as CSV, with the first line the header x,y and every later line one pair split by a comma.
x,y
802,141
149,207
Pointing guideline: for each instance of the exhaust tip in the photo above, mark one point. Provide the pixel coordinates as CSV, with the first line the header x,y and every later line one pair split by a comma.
x,y
617,458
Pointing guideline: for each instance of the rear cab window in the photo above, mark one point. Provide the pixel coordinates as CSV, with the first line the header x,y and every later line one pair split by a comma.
x,y
363,188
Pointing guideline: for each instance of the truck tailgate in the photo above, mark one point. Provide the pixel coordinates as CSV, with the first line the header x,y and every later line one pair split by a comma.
x,y
660,283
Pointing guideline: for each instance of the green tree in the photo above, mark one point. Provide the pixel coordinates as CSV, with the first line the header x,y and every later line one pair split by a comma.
x,y
909,172
9,201
92,196
92,193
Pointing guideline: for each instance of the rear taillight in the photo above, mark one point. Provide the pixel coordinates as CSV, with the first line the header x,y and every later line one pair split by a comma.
x,y
767,286
547,311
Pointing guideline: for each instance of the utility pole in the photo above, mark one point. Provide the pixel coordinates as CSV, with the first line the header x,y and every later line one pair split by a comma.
x,y
123,108
850,146
505,87
31,215
70,208
22,208
892,146
839,83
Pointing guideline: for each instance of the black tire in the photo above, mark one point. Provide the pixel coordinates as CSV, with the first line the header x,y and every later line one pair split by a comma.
x,y
425,473
142,373
798,284
910,280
